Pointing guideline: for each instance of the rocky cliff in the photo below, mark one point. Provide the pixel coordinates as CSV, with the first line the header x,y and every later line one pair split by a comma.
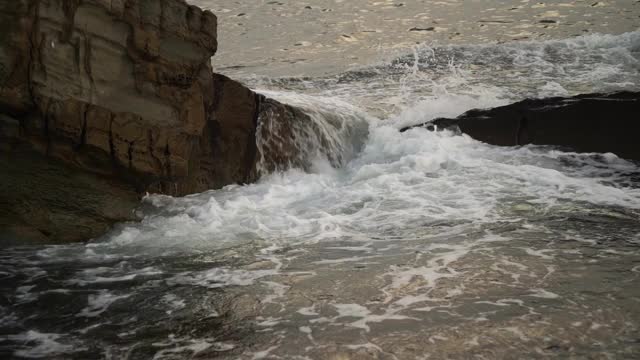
x,y
122,91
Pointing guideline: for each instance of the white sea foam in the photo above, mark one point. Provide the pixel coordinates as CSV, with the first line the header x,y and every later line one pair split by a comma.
x,y
363,315
544,294
99,303
178,347
426,197
505,72
220,277
311,310
397,181
40,345
100,275
174,302
390,180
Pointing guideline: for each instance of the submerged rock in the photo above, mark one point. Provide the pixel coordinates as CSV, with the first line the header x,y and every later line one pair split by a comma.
x,y
598,123
124,93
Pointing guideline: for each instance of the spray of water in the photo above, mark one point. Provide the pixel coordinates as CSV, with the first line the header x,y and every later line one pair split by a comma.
x,y
427,233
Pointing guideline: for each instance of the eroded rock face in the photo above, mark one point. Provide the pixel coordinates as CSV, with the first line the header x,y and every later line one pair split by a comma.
x,y
131,79
597,123
43,200
123,90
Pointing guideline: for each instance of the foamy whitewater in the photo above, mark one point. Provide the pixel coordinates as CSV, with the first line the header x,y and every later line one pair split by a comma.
x,y
386,245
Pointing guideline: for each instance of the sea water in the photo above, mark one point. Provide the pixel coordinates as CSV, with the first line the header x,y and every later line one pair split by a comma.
x,y
386,245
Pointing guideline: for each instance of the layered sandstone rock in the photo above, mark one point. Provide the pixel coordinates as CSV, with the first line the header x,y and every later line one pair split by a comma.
x,y
123,90
98,81
597,123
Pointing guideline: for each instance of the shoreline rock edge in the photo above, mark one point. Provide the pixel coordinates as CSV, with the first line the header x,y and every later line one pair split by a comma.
x,y
122,94
589,123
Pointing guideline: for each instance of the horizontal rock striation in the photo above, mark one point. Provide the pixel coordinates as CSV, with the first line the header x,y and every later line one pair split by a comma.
x,y
100,83
597,123
123,90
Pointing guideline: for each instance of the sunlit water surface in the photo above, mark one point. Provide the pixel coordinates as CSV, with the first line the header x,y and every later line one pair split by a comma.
x,y
421,245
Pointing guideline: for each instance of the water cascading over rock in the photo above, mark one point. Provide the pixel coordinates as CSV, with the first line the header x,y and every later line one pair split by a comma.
x,y
309,131
122,93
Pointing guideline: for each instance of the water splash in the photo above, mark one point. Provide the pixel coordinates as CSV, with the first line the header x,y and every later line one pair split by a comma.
x,y
314,129
509,72
369,239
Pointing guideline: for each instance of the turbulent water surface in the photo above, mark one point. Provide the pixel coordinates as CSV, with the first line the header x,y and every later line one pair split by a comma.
x,y
419,245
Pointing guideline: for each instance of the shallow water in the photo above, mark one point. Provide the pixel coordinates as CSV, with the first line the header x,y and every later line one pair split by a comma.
x,y
419,245
315,37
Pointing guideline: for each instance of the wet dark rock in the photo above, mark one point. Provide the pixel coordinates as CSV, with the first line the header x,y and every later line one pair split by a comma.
x,y
43,200
431,28
495,21
557,348
597,123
